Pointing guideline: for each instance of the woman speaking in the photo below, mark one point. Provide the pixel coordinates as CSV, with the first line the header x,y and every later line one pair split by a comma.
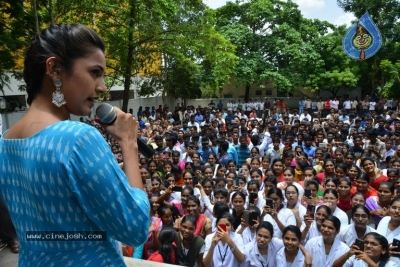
x,y
60,175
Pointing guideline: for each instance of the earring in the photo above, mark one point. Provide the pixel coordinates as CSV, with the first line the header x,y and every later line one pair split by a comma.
x,y
58,97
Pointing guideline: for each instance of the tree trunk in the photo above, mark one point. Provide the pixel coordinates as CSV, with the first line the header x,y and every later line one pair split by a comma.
x,y
247,93
35,15
129,59
51,12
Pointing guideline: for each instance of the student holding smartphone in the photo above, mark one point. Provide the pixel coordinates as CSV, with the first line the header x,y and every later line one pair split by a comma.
x,y
249,224
224,247
360,218
375,253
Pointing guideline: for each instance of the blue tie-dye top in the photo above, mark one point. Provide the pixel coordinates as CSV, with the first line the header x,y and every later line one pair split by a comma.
x,y
65,178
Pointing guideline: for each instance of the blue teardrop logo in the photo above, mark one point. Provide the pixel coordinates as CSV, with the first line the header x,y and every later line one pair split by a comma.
x,y
363,39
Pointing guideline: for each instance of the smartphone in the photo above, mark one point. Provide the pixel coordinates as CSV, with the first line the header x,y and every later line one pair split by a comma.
x,y
223,226
269,202
253,216
396,242
307,193
241,172
246,217
360,244
148,184
236,182
311,210
195,180
177,189
252,198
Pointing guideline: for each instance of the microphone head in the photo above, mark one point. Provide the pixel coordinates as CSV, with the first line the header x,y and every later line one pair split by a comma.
x,y
106,113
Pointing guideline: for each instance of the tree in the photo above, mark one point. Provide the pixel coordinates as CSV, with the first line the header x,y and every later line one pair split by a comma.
x,y
338,70
273,42
12,38
377,69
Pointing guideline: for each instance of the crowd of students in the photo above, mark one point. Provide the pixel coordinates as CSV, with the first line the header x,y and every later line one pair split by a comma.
x,y
292,189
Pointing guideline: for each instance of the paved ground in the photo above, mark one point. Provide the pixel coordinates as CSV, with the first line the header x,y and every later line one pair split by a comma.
x,y
7,258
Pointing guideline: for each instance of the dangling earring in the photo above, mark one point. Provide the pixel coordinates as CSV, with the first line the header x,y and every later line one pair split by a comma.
x,y
58,97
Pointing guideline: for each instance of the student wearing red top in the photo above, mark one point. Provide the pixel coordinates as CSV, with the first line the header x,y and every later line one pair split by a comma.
x,y
375,177
344,188
362,186
167,249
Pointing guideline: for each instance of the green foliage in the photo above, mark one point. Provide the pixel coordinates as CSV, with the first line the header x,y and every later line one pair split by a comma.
x,y
273,41
380,70
339,71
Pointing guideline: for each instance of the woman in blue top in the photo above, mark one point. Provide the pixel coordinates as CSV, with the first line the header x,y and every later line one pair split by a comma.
x,y
60,175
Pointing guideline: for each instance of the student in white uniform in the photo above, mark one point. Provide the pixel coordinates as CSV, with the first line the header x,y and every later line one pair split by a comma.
x,y
389,226
299,211
261,252
293,254
313,226
327,248
358,228
376,253
278,215
248,229
331,197
223,248
288,176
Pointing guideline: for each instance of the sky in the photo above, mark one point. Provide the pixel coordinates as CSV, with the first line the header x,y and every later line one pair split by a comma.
x,y
312,9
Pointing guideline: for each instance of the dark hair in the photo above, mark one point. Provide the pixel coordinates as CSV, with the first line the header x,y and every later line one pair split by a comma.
x,y
165,238
207,180
188,188
291,185
345,180
258,171
334,220
220,208
356,207
227,216
292,171
278,192
364,176
303,164
388,184
312,182
385,246
293,229
189,218
194,199
271,179
254,182
267,226
365,159
222,191
397,199
359,194
326,208
275,161
331,191
65,42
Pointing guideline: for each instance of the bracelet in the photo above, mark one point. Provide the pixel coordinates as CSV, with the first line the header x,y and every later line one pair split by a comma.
x,y
233,249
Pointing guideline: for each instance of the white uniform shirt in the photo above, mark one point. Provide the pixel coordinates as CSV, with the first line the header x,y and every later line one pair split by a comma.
x,y
348,234
383,229
247,235
342,216
286,217
253,257
316,247
312,232
223,255
353,262
280,259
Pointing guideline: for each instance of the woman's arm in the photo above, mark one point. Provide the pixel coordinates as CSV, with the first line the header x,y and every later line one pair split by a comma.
x,y
342,260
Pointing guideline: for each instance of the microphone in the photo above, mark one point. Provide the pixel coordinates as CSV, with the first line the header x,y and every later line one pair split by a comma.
x,y
107,115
